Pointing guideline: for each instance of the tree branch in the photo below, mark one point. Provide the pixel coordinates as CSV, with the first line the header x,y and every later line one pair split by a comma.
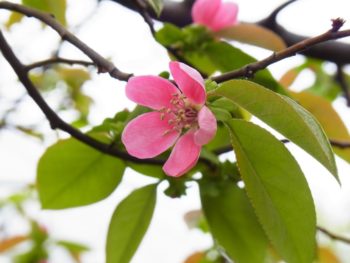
x,y
144,12
333,236
340,144
103,64
58,60
179,13
340,78
250,69
55,121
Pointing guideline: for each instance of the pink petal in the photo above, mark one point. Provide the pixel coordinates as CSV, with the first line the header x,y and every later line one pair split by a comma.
x,y
151,91
207,126
225,16
203,11
144,137
189,81
183,157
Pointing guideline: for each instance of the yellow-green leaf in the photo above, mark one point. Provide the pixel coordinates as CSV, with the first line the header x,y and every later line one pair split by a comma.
x,y
72,174
13,19
253,34
331,122
234,225
54,7
277,190
129,223
326,255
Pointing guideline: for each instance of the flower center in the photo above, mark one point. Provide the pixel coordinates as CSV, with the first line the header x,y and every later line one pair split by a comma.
x,y
182,116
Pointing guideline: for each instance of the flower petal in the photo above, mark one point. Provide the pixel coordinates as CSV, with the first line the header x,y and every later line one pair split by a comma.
x,y
189,81
151,91
203,11
144,137
207,126
183,157
225,16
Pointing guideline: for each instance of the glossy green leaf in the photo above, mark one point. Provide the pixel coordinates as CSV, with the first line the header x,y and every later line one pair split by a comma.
x,y
277,190
129,223
73,174
234,225
54,7
284,115
253,34
157,6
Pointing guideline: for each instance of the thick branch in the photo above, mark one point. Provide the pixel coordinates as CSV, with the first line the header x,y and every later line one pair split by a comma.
x,y
249,70
55,121
103,64
179,13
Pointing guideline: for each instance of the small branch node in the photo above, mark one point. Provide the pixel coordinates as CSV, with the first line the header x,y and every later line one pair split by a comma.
x,y
337,23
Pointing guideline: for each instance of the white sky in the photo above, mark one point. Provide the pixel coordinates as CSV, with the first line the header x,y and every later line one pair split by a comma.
x,y
121,35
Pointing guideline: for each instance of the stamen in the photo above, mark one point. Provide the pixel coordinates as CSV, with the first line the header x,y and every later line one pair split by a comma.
x,y
184,114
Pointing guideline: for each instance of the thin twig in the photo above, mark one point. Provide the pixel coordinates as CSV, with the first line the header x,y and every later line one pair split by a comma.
x,y
333,236
249,70
55,121
104,66
340,144
340,78
57,60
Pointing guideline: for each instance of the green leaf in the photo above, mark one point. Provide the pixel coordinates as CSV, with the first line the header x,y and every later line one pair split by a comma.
x,y
157,6
13,19
221,139
55,7
169,35
221,114
72,174
284,115
277,190
155,171
253,34
72,246
129,223
234,225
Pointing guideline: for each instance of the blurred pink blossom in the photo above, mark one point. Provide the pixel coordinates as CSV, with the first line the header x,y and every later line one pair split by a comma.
x,y
214,14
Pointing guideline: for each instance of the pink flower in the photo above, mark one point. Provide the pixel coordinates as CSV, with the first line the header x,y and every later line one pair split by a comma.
x,y
214,14
180,118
